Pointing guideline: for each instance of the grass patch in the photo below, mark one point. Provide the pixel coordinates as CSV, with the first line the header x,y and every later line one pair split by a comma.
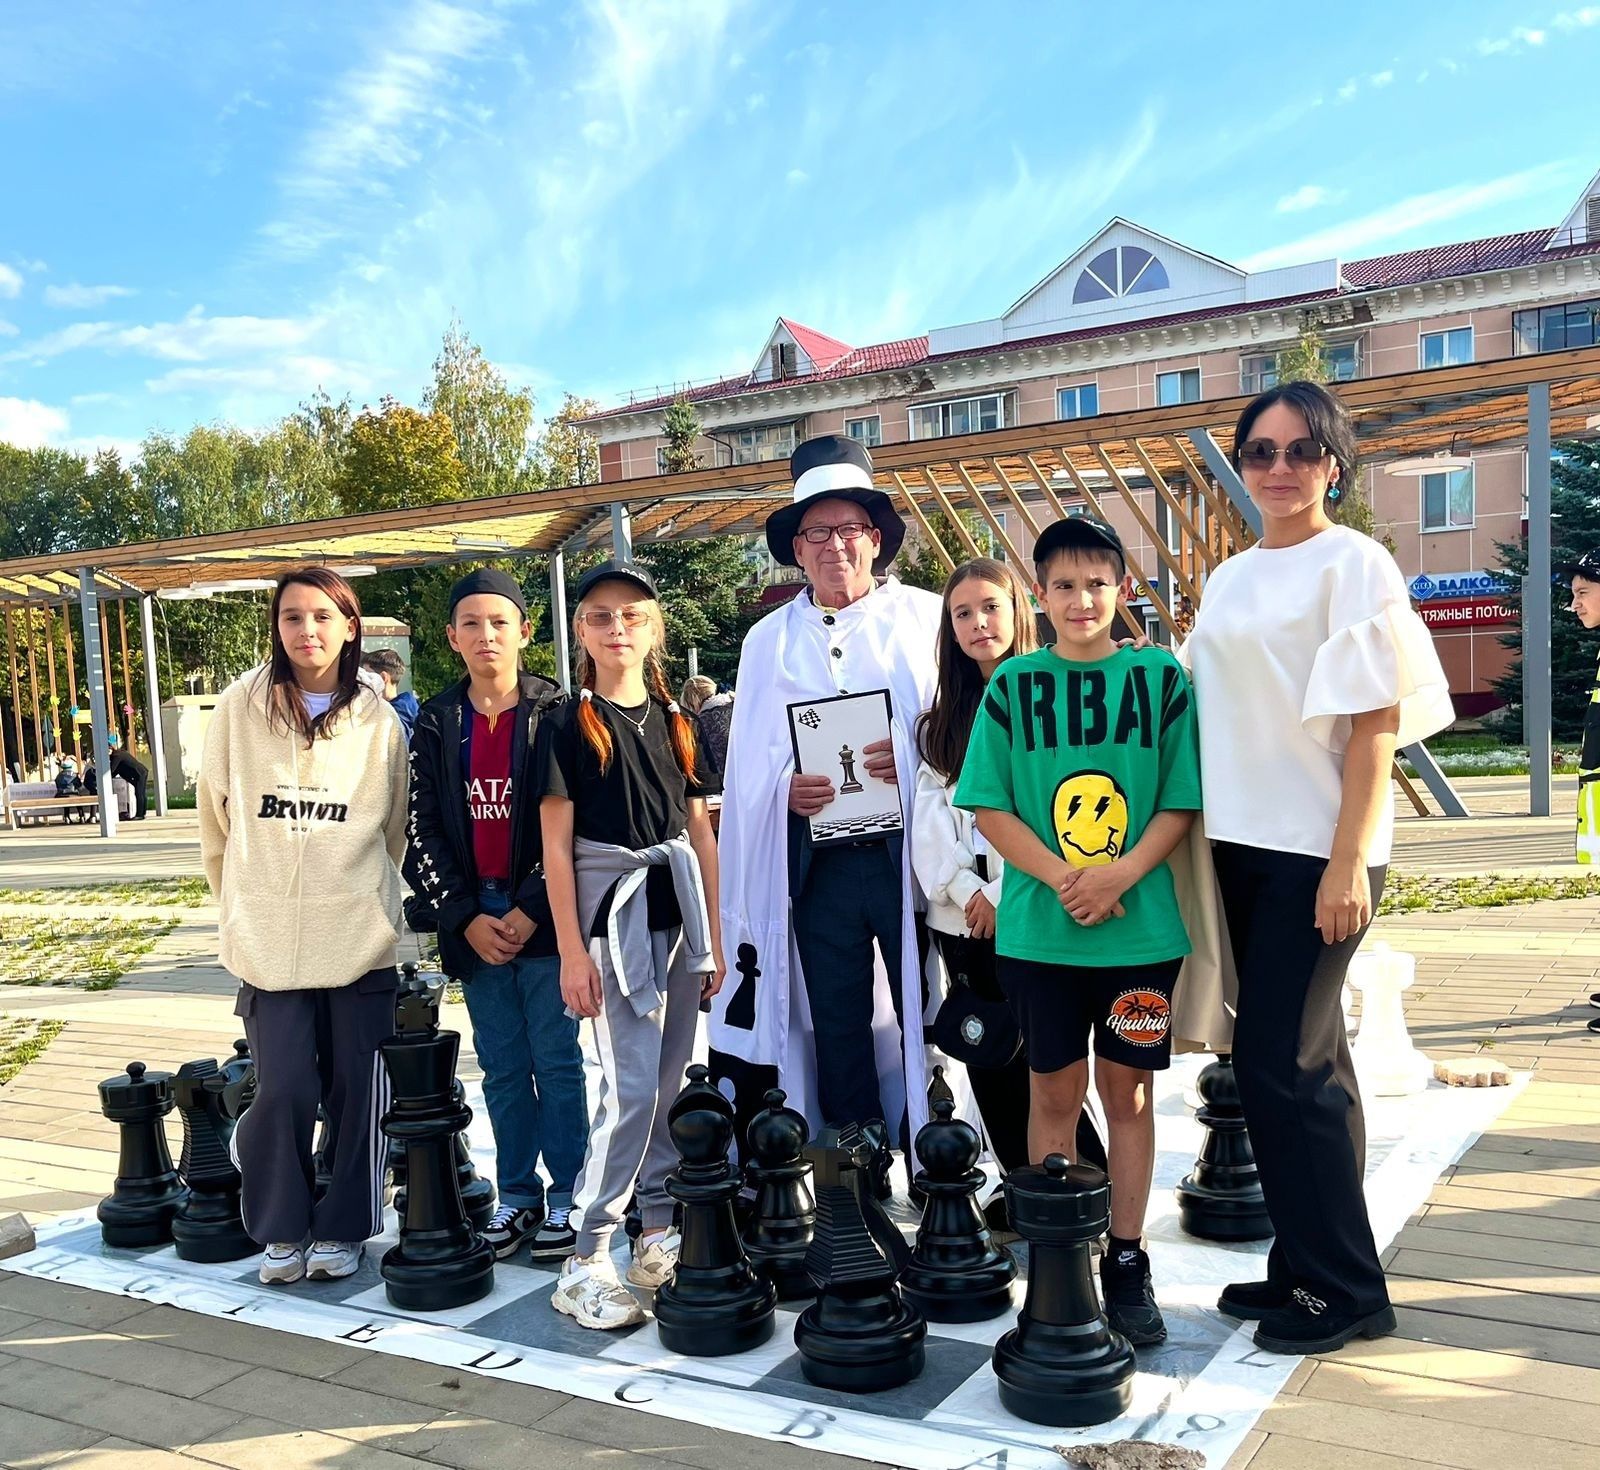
x,y
151,892
92,951
1407,893
22,1040
1486,757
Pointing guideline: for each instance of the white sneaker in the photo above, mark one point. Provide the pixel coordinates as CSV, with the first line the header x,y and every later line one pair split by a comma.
x,y
591,1295
281,1263
655,1258
328,1260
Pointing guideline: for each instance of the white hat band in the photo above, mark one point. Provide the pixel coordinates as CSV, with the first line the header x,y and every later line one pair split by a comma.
x,y
820,479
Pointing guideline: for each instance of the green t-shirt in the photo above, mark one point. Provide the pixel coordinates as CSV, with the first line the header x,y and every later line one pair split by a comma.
x,y
1086,754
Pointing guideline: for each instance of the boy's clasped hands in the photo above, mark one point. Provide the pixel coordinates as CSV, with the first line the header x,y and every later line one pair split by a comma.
x,y
1093,895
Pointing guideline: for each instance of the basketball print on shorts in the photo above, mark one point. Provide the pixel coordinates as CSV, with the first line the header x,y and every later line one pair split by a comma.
x,y
1140,1017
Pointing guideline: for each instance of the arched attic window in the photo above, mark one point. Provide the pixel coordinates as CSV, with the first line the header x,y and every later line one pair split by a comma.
x,y
1124,270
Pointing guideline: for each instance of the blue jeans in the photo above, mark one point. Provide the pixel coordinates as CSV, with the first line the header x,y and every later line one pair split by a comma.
x,y
532,1070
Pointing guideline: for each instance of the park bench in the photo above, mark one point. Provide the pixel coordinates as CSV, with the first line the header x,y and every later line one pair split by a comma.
x,y
18,807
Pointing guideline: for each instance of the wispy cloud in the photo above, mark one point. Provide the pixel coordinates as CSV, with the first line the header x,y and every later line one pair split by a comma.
x,y
10,281
195,337
796,177
1407,216
290,377
8,329
28,424
1513,40
1577,20
78,297
1380,79
1308,196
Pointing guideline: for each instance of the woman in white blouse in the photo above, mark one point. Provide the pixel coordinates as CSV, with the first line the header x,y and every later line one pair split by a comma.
x,y
1309,668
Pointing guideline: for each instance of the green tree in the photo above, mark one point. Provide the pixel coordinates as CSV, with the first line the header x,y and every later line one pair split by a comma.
x,y
1574,529
1304,361
919,565
491,421
681,427
568,454
398,456
41,491
705,585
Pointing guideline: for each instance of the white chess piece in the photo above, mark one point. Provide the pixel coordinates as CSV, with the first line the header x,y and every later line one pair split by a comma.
x,y
1387,1064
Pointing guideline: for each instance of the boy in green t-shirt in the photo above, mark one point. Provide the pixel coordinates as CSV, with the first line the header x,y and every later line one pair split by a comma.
x,y
1084,772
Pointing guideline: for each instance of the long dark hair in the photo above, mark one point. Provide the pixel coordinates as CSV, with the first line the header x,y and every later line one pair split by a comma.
x,y
286,704
1327,420
944,728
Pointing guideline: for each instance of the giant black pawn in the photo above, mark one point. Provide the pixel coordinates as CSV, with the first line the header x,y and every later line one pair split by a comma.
x,y
1221,1199
1062,1363
208,1225
956,1273
860,1335
714,1303
477,1193
440,1261
145,1197
780,1227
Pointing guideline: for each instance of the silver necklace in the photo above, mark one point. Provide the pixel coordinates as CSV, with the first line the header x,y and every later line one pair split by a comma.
x,y
637,724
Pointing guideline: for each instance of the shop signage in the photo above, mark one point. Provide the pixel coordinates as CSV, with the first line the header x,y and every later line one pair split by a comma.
x,y
1438,586
1468,612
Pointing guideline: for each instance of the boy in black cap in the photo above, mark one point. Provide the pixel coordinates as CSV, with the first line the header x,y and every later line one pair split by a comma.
x,y
1084,772
475,857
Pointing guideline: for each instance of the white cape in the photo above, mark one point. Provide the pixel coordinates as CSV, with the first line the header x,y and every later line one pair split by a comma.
x,y
888,639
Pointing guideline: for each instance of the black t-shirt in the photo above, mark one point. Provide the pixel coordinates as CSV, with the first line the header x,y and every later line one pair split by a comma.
x,y
641,798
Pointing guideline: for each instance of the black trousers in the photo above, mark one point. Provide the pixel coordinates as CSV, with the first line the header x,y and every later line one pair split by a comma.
x,y
851,898
1296,1078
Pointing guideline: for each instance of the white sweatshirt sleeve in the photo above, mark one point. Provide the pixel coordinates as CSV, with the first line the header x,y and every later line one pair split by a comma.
x,y
211,795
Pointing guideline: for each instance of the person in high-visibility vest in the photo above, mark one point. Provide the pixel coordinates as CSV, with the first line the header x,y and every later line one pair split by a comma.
x,y
1585,574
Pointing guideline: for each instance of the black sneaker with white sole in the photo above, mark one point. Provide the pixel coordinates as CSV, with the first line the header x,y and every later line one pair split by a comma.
x,y
1594,1000
508,1227
1129,1299
555,1239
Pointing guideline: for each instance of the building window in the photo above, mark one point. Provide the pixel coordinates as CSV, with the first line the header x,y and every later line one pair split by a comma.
x,y
661,460
1182,387
1449,501
1082,402
1258,373
1343,360
1125,270
757,446
960,416
1551,328
1446,349
868,431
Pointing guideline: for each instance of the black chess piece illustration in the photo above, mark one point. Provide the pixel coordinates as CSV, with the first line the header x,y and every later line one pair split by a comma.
x,y
741,1012
847,763
778,1233
145,1197
939,1089
714,1303
1221,1198
860,1335
208,1225
1062,1364
746,1083
956,1273
440,1261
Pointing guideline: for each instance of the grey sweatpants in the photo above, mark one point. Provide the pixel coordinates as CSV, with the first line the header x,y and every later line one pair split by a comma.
x,y
313,1046
642,1064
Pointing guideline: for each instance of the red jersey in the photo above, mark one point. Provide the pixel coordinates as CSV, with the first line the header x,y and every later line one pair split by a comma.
x,y
489,793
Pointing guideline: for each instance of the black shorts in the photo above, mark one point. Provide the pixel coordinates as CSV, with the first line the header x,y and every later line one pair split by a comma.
x,y
1127,1007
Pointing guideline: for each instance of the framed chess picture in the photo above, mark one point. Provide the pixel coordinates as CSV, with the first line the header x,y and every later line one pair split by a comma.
x,y
829,736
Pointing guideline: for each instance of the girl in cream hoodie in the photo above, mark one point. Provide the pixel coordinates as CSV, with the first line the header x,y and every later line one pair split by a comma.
x,y
302,806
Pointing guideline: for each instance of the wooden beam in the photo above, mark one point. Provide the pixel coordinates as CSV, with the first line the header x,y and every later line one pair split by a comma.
x,y
1096,510
1018,563
129,708
933,541
50,668
962,534
1161,549
1418,805
1174,505
1045,487
109,674
16,691
1221,503
72,676
33,690
1023,513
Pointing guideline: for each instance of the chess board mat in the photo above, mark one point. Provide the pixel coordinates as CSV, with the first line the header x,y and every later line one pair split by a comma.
x,y
1203,1388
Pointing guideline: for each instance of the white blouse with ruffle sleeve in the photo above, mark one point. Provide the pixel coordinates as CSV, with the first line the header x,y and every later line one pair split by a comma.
x,y
1289,643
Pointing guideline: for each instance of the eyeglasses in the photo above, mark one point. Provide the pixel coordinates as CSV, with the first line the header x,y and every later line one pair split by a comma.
x,y
604,617
848,532
1301,454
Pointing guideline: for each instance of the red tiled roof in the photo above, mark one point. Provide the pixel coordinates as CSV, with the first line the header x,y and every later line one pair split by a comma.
x,y
1404,268
822,349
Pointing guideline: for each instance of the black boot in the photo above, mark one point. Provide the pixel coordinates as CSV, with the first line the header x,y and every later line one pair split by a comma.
x,y
1250,1300
1306,1326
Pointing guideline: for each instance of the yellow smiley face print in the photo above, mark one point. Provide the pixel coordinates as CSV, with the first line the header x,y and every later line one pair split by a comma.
x,y
1090,816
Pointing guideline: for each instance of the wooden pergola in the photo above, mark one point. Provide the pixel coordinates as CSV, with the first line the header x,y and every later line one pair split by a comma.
x,y
1155,465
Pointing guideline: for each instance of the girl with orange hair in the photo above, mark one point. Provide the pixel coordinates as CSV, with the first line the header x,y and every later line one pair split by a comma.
x,y
631,864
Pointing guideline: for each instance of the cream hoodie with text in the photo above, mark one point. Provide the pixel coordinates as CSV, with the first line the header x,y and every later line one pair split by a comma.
x,y
302,845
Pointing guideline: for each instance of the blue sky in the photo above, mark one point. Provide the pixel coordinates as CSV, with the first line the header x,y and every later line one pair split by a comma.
x,y
209,210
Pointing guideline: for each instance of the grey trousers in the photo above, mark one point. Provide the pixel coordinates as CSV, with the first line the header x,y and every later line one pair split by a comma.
x,y
642,1064
314,1046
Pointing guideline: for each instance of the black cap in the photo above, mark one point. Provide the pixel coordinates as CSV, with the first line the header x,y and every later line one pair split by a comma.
x,y
490,580
1587,566
616,571
1080,533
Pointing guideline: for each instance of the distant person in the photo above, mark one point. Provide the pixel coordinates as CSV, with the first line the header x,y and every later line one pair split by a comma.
x,y
1585,606
68,782
391,668
713,714
124,765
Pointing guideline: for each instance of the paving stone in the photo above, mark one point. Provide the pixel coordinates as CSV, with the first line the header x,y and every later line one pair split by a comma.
x,y
263,1444
333,1408
124,1359
32,1439
242,1342
58,1302
160,1419
450,1390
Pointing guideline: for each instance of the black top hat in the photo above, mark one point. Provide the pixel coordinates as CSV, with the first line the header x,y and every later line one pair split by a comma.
x,y
616,571
1081,533
834,467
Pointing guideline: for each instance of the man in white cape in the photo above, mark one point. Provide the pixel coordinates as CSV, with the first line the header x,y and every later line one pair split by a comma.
x,y
822,941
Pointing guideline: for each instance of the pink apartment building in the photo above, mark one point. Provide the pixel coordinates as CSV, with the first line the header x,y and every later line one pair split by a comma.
x,y
1134,319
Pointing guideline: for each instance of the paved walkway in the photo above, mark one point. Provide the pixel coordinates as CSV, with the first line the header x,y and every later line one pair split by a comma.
x,y
1497,1277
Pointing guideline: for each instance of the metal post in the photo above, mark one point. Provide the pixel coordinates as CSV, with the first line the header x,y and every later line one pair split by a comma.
x,y
1449,799
1536,604
694,660
152,689
559,625
621,532
1223,472
95,670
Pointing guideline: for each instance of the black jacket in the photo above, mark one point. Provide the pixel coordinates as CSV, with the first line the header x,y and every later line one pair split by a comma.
x,y
439,863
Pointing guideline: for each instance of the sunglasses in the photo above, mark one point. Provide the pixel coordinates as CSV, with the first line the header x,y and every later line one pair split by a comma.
x,y
604,617
1301,454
